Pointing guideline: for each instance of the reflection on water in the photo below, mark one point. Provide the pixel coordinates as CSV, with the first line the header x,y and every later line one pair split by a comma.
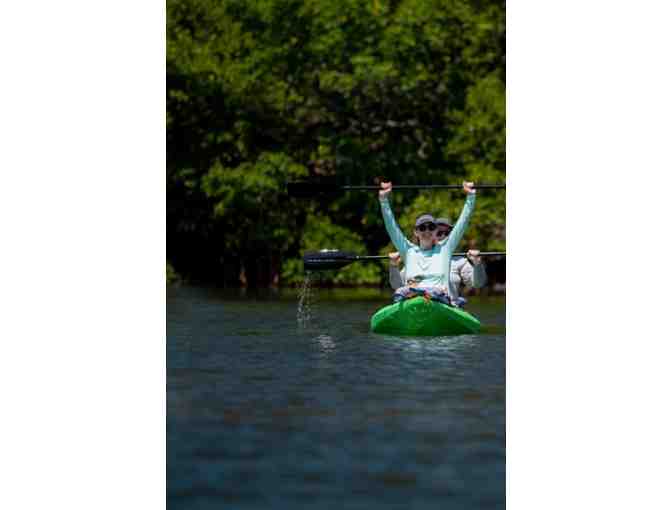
x,y
326,343
436,344
264,415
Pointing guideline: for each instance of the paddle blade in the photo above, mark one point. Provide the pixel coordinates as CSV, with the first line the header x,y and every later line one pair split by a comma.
x,y
312,189
326,259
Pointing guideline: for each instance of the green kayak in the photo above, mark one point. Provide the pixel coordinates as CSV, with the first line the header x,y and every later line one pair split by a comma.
x,y
417,317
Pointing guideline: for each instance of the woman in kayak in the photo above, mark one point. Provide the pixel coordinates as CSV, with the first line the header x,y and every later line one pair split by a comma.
x,y
428,262
466,271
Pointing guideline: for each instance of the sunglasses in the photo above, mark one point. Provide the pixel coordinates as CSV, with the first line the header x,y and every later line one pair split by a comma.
x,y
427,226
442,233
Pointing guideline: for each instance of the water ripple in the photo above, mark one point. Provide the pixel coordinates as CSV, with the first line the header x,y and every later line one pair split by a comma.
x,y
265,414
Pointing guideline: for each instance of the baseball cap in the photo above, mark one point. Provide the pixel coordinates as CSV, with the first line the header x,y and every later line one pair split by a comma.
x,y
443,221
425,218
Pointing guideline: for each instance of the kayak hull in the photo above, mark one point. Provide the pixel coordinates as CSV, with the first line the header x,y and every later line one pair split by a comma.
x,y
417,317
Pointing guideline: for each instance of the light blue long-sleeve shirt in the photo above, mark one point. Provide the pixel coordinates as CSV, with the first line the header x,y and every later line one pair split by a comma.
x,y
429,268
462,273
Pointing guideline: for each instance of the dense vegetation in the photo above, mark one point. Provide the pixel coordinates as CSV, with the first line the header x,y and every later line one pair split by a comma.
x,y
268,91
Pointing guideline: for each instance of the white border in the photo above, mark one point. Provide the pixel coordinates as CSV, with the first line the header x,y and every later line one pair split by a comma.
x,y
588,159
82,201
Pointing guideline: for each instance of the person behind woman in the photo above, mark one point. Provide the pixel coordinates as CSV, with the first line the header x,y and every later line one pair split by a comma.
x,y
428,262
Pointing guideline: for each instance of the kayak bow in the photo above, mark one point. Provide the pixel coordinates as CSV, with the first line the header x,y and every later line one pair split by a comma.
x,y
418,317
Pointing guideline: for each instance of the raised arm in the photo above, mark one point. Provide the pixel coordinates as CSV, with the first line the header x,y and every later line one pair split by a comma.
x,y
472,274
396,235
456,234
396,280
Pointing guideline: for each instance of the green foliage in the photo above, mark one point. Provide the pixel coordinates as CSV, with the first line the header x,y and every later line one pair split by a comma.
x,y
320,233
246,200
267,91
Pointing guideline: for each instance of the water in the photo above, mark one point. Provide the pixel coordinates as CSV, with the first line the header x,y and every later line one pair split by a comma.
x,y
267,413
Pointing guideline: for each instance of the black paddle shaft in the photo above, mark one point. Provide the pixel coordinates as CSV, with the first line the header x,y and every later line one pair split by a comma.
x,y
425,186
333,259
310,189
457,254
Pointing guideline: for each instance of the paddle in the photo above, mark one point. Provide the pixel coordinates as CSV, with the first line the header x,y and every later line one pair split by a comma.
x,y
334,259
303,189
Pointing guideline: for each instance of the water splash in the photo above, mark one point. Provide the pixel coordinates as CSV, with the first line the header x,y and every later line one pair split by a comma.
x,y
326,343
306,295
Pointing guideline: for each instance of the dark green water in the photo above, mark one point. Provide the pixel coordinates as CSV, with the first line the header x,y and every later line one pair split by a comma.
x,y
266,414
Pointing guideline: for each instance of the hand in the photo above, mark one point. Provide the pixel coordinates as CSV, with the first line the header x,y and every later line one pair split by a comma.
x,y
395,258
468,188
385,189
474,256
